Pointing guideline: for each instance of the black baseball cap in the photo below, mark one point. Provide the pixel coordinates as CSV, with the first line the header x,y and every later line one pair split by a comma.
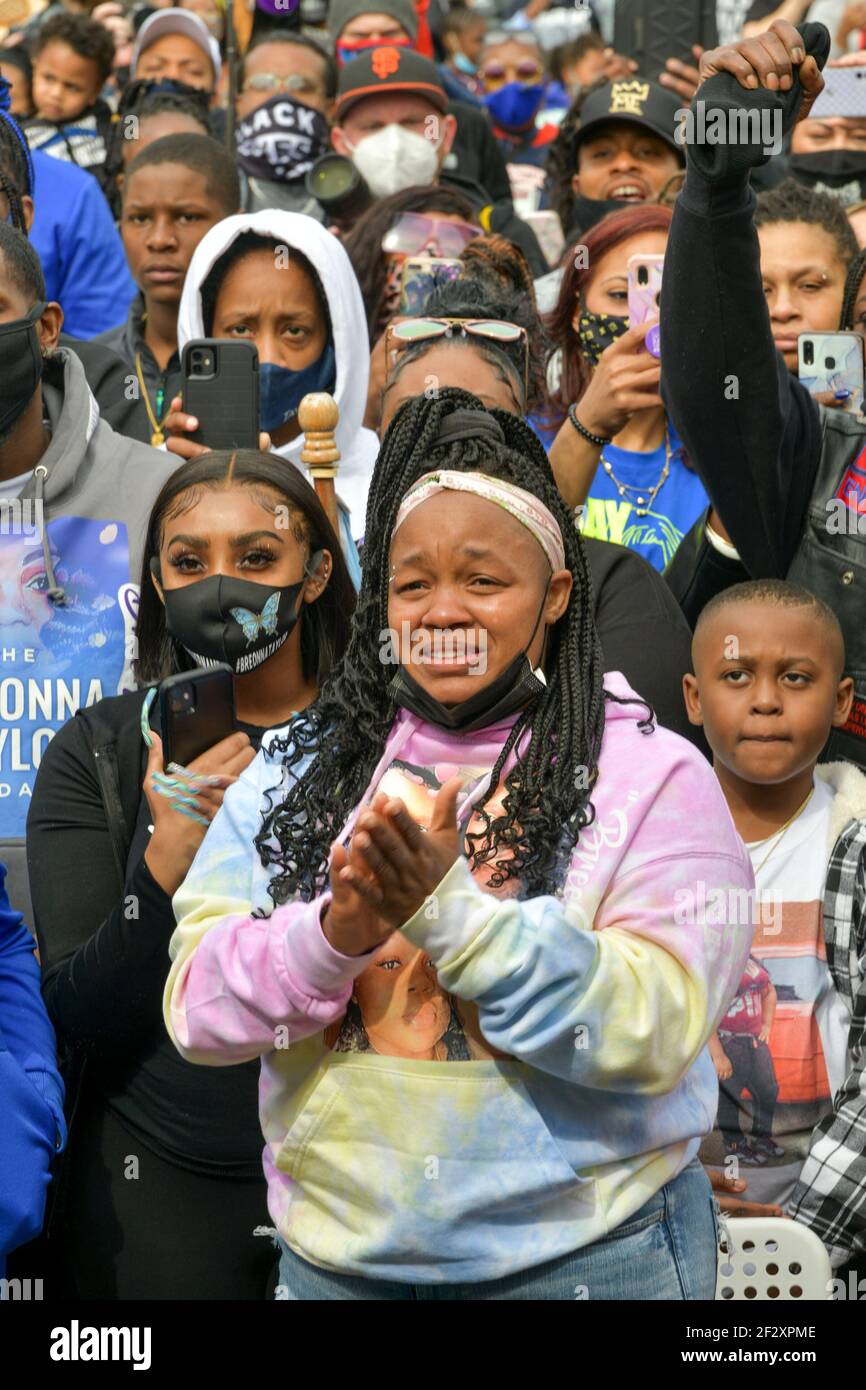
x,y
637,101
389,69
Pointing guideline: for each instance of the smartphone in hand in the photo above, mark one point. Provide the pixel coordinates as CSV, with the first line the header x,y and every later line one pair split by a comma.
x,y
644,295
221,389
833,363
421,276
196,710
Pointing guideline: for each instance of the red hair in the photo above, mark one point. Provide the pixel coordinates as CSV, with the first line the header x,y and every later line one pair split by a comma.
x,y
603,237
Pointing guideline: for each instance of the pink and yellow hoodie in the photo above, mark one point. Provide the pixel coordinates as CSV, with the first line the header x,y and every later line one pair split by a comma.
x,y
505,1080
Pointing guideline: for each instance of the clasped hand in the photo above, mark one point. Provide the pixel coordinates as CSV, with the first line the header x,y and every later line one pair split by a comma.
x,y
391,867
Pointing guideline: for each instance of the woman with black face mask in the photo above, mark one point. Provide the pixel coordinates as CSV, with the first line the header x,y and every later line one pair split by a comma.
x,y
111,835
452,884
616,454
828,148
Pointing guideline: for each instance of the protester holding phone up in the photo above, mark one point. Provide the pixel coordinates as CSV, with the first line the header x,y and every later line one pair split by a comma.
x,y
240,566
280,281
617,456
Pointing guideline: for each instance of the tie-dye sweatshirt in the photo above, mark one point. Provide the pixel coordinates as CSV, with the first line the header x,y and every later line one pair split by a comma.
x,y
506,1079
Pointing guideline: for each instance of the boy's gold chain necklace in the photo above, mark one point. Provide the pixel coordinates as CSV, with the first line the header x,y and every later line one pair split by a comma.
x,y
782,831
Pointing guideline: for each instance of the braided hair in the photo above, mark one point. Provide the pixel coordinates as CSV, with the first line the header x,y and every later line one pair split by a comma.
x,y
546,802
501,260
16,166
856,271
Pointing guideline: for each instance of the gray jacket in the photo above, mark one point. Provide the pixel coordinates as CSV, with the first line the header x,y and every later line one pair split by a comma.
x,y
70,562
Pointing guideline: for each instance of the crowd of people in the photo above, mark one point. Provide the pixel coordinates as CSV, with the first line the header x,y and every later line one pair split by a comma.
x,y
514,936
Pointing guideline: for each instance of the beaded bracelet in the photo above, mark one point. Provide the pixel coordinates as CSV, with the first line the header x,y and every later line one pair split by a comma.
x,y
598,439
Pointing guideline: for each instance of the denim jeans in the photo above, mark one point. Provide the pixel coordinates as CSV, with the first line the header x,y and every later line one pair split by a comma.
x,y
666,1251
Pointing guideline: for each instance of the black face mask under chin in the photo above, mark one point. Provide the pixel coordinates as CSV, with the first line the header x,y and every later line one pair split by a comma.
x,y
834,169
585,212
507,693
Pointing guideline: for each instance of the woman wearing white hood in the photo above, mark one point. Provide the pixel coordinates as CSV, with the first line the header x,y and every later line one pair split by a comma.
x,y
282,281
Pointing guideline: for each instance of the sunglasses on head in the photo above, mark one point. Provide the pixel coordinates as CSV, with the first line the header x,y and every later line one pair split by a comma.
x,y
403,335
413,231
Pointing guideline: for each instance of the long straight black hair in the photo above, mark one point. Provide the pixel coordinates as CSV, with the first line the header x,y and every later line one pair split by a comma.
x,y
324,624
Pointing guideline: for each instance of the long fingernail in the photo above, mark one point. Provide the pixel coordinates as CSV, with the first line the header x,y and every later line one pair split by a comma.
x,y
145,717
206,779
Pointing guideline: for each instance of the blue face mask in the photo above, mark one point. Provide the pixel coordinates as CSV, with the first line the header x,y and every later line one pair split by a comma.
x,y
281,390
464,64
515,106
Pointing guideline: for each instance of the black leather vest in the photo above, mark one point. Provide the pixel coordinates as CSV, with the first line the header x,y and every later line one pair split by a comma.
x,y
831,561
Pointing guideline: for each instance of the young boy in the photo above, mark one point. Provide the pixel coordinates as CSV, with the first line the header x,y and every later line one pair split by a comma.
x,y
768,687
175,190
72,59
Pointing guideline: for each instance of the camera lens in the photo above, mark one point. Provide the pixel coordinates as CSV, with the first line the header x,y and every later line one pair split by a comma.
x,y
180,699
830,363
642,275
808,353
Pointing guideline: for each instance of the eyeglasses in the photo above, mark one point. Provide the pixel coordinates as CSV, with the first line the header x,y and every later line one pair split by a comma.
x,y
272,82
413,232
404,335
495,75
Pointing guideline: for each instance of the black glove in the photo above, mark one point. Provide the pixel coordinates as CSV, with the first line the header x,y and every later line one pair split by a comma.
x,y
722,92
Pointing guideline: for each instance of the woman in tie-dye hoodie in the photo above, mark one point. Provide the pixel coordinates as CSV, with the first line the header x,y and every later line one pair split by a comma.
x,y
448,906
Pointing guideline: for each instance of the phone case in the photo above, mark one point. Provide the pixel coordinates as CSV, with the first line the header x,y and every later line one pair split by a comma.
x,y
643,300
421,276
226,404
844,93
212,716
837,366
652,33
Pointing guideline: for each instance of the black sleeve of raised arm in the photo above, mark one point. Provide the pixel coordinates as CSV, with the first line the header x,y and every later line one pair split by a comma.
x,y
751,430
104,952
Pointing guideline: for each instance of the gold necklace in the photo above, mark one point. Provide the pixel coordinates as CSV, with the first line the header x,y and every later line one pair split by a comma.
x,y
781,832
642,504
158,436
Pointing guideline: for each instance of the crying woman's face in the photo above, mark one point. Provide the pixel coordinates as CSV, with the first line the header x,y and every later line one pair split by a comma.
x,y
269,299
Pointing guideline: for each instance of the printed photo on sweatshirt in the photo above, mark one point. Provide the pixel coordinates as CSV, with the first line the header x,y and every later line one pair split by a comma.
x,y
784,1036
398,1008
57,658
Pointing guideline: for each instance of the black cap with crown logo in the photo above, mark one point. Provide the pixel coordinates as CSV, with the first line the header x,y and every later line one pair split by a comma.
x,y
637,101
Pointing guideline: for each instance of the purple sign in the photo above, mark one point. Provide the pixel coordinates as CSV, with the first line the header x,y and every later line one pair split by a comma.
x,y
277,7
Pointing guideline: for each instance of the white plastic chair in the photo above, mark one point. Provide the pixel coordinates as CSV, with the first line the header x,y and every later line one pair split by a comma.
x,y
770,1258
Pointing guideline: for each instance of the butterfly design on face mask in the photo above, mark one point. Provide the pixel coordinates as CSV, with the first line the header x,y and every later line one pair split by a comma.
x,y
254,623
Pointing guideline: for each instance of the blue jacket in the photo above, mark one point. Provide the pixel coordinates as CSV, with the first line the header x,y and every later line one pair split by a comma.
x,y
80,249
32,1127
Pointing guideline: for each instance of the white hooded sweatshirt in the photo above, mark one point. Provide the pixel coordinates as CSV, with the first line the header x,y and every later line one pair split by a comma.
x,y
358,446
